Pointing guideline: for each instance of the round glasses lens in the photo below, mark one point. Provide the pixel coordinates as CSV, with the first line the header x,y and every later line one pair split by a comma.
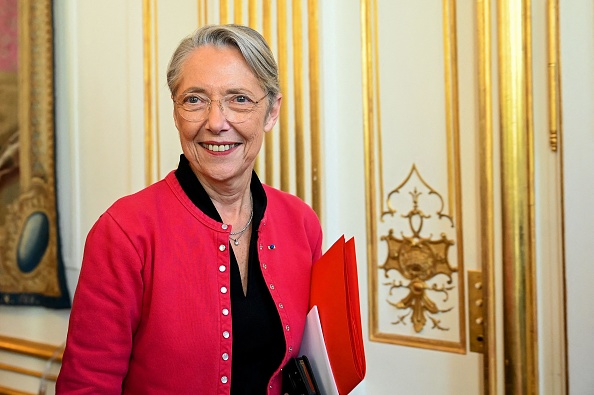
x,y
235,108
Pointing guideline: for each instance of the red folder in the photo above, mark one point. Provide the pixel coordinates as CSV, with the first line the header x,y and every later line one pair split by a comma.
x,y
335,290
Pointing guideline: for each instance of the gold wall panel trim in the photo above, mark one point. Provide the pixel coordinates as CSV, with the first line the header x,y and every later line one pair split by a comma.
x,y
554,72
374,166
270,140
202,7
283,66
151,91
486,187
519,327
224,11
237,12
314,107
298,99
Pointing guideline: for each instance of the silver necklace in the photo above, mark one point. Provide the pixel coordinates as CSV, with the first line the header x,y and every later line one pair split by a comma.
x,y
242,231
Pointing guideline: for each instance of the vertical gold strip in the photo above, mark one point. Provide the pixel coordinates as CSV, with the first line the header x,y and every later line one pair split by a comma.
x,y
238,12
269,142
517,197
453,147
368,131
224,11
148,94
555,141
298,97
530,267
378,112
252,22
202,13
485,96
314,112
281,9
451,92
24,86
157,138
252,14
554,82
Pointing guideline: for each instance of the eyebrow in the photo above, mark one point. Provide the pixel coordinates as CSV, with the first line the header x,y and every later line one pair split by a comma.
x,y
229,91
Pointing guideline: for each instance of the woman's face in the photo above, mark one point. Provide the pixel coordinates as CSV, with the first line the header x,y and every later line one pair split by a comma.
x,y
219,150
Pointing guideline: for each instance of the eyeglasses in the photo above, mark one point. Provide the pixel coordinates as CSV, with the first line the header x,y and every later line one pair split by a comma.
x,y
236,108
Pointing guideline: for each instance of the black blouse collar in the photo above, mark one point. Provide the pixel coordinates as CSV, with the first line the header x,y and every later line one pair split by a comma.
x,y
197,194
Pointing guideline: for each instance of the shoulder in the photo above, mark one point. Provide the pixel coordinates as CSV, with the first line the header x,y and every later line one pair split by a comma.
x,y
283,201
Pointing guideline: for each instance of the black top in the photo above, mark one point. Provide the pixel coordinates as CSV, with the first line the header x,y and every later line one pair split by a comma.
x,y
258,339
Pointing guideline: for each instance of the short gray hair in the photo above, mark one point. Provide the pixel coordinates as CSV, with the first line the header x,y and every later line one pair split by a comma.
x,y
250,43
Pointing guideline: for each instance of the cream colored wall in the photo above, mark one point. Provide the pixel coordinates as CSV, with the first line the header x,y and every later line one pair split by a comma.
x,y
100,154
577,55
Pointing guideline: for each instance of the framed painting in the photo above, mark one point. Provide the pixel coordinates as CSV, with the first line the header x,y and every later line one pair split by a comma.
x,y
31,268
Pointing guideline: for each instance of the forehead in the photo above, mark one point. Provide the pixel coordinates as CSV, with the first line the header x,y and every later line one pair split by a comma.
x,y
217,69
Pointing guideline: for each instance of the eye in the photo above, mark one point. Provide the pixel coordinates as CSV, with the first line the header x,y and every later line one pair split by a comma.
x,y
240,99
192,99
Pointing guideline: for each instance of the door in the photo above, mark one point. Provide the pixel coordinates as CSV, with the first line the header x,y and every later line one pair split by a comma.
x,y
458,272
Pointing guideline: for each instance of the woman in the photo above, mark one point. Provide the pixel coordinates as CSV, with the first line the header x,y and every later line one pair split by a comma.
x,y
199,284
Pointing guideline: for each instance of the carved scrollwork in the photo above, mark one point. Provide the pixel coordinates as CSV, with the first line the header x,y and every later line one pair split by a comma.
x,y
421,260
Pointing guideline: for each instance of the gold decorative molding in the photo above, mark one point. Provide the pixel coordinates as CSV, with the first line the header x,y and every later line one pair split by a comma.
x,y
421,261
554,73
151,91
429,256
50,354
486,191
517,186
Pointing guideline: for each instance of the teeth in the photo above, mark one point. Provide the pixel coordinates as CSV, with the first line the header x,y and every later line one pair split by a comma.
x,y
219,148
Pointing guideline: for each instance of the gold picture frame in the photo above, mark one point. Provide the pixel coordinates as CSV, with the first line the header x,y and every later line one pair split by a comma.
x,y
31,268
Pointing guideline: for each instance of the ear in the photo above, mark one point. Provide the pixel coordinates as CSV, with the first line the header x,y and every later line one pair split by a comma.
x,y
273,114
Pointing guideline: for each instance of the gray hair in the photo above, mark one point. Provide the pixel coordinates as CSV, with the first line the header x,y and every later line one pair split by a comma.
x,y
250,43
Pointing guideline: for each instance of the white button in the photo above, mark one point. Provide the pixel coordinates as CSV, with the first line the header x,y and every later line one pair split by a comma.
x,y
290,348
224,226
225,356
280,305
224,379
271,286
222,247
264,265
226,334
287,328
223,290
261,246
222,268
225,311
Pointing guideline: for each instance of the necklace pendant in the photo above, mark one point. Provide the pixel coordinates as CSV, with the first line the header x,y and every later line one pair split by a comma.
x,y
236,242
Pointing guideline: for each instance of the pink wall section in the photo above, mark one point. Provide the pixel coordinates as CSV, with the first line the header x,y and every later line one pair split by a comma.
x,y
8,35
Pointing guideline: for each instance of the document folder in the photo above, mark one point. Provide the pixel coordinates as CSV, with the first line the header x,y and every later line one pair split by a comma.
x,y
335,292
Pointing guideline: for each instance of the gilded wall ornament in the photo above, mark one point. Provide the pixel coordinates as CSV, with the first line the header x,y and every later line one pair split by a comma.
x,y
421,261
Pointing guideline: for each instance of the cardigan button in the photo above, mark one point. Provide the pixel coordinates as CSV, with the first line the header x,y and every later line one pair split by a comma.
x,y
222,247
222,268
226,334
264,266
224,380
271,286
287,328
281,306
225,356
224,226
225,311
223,290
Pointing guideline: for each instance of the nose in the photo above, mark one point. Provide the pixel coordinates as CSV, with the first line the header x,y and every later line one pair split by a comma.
x,y
216,120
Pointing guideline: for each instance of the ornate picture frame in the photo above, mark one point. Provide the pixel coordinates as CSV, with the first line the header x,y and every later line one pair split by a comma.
x,y
31,267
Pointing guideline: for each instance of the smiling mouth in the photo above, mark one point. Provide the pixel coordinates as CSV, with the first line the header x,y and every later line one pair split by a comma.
x,y
219,148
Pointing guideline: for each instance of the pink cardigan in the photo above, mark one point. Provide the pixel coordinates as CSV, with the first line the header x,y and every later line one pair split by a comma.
x,y
151,312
